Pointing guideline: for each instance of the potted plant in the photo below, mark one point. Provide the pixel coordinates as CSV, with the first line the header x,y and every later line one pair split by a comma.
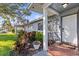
x,y
38,40
36,44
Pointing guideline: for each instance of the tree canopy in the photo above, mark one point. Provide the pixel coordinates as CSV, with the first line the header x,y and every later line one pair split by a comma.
x,y
13,10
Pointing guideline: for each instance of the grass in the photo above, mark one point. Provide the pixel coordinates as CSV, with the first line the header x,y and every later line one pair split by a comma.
x,y
6,43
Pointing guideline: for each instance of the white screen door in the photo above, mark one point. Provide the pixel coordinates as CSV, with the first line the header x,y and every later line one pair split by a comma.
x,y
69,24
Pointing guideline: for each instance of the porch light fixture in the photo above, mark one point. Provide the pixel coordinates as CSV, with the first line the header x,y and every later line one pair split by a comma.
x,y
65,5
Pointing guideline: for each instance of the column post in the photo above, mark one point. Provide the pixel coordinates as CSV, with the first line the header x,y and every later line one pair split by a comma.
x,y
45,30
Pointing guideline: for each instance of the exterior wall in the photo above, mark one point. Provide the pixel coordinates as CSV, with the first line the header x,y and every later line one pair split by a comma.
x,y
33,27
54,33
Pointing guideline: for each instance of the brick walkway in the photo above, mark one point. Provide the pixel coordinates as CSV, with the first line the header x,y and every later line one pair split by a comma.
x,y
60,50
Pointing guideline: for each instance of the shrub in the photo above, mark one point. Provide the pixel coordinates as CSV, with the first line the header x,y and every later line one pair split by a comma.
x,y
39,36
20,33
36,36
32,36
13,30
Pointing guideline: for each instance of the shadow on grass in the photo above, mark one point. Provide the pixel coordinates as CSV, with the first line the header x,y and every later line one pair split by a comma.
x,y
7,37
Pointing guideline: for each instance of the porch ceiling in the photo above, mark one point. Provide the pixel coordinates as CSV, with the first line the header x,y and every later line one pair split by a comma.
x,y
59,6
38,7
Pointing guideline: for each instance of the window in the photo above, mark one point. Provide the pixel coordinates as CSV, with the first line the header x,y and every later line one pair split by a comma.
x,y
40,26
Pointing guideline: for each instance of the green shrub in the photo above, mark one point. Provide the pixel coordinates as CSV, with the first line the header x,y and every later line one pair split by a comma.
x,y
36,36
39,36
32,36
20,33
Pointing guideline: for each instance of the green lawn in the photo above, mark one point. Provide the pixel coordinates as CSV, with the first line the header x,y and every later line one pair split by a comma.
x,y
6,43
